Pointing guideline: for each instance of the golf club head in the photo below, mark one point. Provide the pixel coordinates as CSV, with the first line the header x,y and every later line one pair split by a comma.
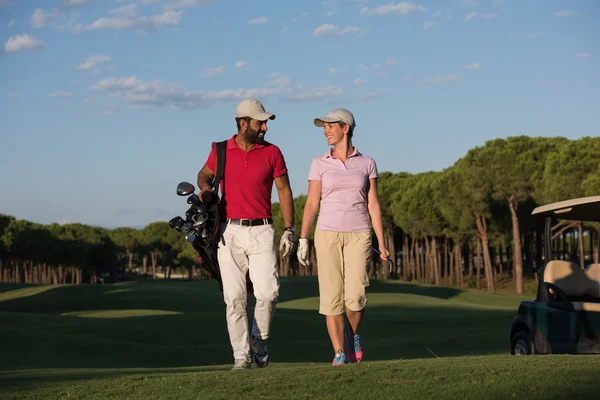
x,y
179,224
190,213
193,199
187,226
173,222
185,189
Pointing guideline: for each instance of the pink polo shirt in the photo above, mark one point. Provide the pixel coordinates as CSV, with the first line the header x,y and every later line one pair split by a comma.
x,y
344,190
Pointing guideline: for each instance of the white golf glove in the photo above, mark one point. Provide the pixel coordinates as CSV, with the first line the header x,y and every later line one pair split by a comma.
x,y
303,252
286,244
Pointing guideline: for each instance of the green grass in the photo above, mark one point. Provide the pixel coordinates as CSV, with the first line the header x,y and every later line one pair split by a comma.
x,y
168,339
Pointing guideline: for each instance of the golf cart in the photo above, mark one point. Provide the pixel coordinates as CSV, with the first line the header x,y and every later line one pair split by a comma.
x,y
565,316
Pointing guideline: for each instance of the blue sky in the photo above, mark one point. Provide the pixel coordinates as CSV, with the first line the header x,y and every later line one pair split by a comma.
x,y
105,105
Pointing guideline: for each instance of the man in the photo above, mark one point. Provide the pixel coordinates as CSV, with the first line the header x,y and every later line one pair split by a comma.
x,y
247,241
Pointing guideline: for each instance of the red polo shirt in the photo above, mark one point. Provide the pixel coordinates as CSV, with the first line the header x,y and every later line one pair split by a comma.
x,y
248,180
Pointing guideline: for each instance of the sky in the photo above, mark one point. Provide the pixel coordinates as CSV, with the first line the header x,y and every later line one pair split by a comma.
x,y
106,105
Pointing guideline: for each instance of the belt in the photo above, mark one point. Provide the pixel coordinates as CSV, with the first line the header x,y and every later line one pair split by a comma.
x,y
250,222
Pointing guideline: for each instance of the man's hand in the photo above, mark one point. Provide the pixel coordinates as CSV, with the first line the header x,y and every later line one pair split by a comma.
x,y
286,244
303,252
209,197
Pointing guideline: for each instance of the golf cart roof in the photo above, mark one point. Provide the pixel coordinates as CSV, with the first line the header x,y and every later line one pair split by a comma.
x,y
581,209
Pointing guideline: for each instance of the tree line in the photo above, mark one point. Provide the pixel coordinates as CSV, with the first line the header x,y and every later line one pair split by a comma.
x,y
469,224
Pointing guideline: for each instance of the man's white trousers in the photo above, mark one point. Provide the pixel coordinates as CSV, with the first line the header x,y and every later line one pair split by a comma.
x,y
243,249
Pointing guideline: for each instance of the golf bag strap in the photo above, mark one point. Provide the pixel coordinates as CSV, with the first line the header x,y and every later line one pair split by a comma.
x,y
221,148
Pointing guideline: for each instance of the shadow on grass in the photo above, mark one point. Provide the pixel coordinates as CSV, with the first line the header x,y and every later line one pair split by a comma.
x,y
37,334
7,287
201,339
179,296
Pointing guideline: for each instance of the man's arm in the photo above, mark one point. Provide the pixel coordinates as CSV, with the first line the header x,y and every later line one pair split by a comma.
x,y
286,199
205,179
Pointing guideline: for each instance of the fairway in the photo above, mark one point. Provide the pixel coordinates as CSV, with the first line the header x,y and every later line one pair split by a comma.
x,y
168,339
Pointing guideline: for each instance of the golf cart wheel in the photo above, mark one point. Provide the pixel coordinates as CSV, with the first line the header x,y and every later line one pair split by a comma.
x,y
522,344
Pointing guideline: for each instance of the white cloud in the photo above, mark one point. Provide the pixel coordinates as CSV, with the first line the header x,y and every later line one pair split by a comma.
x,y
72,3
189,4
11,23
241,64
471,15
381,73
92,61
258,21
129,10
362,97
428,24
334,30
312,94
359,82
157,94
565,13
22,43
372,95
331,6
15,94
440,79
61,94
326,30
299,19
403,8
334,70
468,3
393,61
213,71
450,17
584,55
474,14
437,14
473,66
42,18
122,22
149,1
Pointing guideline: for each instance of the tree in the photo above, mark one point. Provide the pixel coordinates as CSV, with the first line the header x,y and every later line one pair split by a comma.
x,y
473,192
153,239
510,165
127,242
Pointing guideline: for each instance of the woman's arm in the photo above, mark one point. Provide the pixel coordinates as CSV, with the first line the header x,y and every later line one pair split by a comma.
x,y
376,220
313,199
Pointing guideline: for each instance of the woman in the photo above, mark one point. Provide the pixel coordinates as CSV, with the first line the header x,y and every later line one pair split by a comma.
x,y
343,183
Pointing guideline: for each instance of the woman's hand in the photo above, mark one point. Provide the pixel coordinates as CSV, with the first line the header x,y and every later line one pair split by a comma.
x,y
384,252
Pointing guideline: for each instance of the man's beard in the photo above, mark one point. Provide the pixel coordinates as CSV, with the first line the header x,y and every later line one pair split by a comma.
x,y
252,136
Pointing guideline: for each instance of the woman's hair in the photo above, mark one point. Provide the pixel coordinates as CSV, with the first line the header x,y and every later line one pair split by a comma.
x,y
350,130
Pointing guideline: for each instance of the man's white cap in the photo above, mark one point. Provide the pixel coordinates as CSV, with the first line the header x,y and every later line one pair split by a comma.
x,y
254,109
337,115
